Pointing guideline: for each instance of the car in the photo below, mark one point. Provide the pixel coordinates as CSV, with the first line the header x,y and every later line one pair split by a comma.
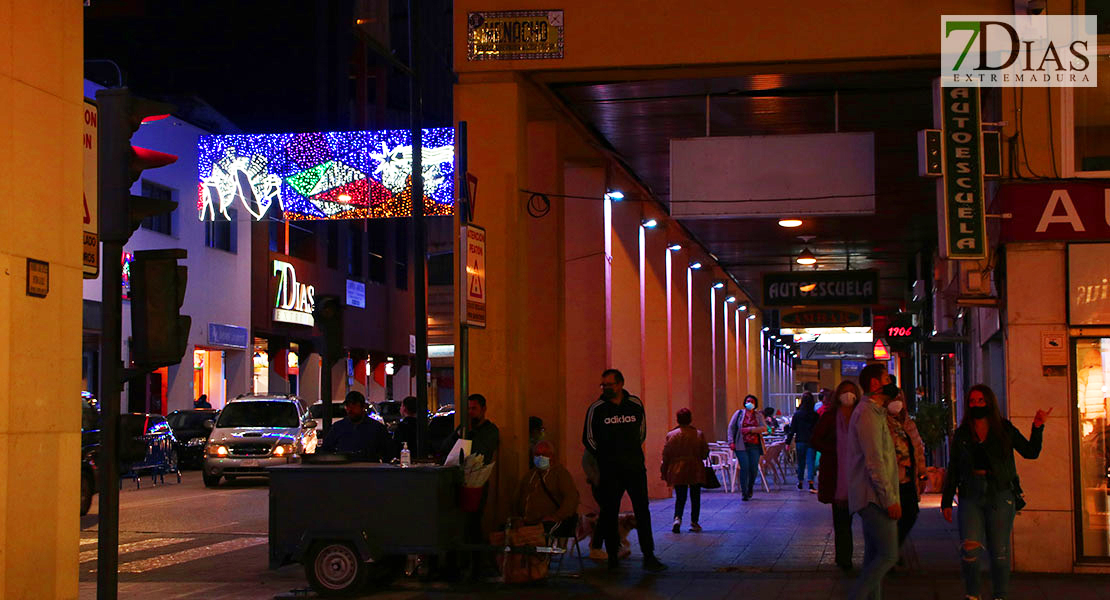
x,y
90,444
190,434
338,411
253,433
390,411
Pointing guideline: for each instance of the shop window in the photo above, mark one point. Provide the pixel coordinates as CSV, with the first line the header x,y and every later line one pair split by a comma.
x,y
1092,385
162,223
375,245
354,249
221,234
401,258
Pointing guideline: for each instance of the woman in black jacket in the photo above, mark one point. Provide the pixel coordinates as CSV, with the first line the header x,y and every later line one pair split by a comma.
x,y
982,471
801,431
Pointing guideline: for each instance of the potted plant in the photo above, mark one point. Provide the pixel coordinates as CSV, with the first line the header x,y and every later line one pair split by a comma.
x,y
933,420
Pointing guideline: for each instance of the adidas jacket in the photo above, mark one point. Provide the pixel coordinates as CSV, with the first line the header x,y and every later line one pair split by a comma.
x,y
615,433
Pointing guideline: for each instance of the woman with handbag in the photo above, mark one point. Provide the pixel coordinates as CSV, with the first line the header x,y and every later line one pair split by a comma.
x,y
982,471
683,468
745,438
548,495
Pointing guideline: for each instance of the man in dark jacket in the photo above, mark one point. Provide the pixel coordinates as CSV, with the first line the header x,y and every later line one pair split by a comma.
x,y
614,434
405,432
359,435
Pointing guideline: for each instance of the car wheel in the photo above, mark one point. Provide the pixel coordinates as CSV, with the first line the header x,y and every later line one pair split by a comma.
x,y
87,487
335,569
210,480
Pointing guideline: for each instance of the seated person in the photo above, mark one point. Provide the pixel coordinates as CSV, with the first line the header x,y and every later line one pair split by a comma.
x,y
547,494
358,435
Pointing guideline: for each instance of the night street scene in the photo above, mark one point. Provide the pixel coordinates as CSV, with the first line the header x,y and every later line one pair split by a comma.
x,y
450,299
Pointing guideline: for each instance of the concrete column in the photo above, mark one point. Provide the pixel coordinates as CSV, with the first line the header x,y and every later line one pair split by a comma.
x,y
702,355
237,369
310,379
339,381
278,352
654,350
731,360
678,292
625,298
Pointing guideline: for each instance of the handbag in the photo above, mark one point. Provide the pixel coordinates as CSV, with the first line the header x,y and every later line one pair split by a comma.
x,y
711,481
566,528
1019,494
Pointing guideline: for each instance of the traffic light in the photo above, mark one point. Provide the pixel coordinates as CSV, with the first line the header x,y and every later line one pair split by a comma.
x,y
328,314
121,164
159,333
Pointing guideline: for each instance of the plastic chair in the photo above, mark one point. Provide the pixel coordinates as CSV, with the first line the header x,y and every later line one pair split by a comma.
x,y
718,461
568,544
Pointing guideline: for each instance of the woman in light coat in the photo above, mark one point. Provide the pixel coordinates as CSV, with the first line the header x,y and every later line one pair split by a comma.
x,y
683,468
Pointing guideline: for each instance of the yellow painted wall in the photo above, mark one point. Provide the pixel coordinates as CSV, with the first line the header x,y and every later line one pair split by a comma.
x,y
40,339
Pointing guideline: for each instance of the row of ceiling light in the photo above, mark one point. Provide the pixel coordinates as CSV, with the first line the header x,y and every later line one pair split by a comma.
x,y
806,257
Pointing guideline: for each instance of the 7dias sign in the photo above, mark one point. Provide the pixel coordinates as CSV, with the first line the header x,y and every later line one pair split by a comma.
x,y
295,300
1018,50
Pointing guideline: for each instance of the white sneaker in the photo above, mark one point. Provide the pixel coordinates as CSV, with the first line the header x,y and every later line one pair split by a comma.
x,y
677,527
695,527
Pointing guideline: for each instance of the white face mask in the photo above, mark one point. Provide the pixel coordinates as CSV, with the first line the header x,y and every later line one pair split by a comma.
x,y
894,407
749,406
542,462
848,399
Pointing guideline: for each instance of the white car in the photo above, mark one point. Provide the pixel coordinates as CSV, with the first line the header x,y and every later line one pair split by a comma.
x,y
256,432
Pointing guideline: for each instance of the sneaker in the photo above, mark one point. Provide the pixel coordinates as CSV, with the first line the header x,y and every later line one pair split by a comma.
x,y
746,498
695,527
800,485
653,565
598,554
812,489
677,527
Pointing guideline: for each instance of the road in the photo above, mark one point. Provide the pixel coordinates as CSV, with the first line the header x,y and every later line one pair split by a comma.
x,y
174,535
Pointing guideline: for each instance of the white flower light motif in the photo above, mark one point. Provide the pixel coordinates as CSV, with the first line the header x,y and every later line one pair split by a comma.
x,y
395,166
239,178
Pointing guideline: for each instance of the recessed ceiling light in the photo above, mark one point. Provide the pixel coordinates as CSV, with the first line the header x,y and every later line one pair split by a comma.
x,y
790,223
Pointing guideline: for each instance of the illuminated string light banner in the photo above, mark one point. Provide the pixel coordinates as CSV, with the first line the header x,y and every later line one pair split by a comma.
x,y
336,175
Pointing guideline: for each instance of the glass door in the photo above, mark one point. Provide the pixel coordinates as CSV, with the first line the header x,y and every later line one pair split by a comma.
x,y
1092,388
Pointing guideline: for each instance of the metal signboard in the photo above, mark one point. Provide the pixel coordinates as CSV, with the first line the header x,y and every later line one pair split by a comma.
x,y
90,222
356,294
821,317
228,336
38,278
514,35
1056,211
821,288
475,289
963,227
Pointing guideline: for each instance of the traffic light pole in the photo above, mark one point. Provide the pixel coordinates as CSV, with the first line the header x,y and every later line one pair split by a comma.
x,y
111,386
420,284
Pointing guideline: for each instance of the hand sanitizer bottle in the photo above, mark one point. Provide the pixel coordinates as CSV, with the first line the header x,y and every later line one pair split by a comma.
x,y
406,456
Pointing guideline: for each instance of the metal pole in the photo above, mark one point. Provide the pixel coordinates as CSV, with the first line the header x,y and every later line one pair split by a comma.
x,y
463,376
107,550
420,284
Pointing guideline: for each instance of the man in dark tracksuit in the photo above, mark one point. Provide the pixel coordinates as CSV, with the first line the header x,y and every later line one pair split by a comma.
x,y
614,434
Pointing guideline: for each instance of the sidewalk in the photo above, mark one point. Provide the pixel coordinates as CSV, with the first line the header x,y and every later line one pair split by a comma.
x,y
777,547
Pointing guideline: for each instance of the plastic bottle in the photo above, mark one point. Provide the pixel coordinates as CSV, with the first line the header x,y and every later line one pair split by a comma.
x,y
406,456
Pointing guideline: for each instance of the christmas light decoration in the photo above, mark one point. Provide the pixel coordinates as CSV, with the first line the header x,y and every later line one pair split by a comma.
x,y
333,175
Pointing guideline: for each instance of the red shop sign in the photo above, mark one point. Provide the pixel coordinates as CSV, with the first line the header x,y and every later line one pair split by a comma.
x,y
1061,210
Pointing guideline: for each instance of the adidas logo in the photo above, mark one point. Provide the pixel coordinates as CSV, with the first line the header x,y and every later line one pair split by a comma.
x,y
619,420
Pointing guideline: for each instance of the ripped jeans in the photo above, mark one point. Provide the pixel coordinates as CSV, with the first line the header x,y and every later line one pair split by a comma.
x,y
986,518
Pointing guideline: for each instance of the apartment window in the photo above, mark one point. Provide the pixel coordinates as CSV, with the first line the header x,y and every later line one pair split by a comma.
x,y
354,249
402,256
332,244
1091,118
162,223
375,245
302,240
221,234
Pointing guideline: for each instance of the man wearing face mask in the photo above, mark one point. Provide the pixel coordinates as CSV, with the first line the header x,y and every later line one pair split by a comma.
x,y
872,467
614,434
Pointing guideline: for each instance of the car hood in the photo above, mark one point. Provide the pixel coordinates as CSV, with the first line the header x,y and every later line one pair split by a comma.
x,y
272,435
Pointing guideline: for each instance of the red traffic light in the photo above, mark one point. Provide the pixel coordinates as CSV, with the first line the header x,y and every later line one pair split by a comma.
x,y
145,158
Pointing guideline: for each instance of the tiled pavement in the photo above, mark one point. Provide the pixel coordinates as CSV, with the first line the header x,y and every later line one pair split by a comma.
x,y
778,546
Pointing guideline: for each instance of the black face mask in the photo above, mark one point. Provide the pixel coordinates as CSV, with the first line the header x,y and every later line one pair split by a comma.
x,y
978,412
608,393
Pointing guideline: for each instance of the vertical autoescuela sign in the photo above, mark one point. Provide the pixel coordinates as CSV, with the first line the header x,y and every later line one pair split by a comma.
x,y
964,232
475,290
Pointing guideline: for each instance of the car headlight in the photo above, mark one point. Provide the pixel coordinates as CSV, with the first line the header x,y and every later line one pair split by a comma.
x,y
218,450
284,450
197,441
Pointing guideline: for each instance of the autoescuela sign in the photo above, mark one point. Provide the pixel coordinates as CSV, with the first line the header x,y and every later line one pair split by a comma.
x,y
821,288
514,35
963,226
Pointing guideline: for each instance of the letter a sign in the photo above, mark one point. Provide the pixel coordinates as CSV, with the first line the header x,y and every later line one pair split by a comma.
x,y
474,298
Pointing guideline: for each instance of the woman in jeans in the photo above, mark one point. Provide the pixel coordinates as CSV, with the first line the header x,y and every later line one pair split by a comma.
x,y
801,431
683,468
745,432
911,464
982,472
829,436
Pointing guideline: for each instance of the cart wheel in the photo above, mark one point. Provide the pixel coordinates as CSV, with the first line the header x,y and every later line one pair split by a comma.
x,y
335,569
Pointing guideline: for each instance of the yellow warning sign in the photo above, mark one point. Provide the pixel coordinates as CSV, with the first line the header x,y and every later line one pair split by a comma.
x,y
475,276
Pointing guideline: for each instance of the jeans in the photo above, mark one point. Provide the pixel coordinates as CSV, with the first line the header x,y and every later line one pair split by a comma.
x,y
880,553
842,534
986,518
614,484
807,455
680,501
910,509
749,466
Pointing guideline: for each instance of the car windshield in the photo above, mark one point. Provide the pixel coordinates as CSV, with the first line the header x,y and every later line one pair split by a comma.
x,y
259,414
337,411
189,420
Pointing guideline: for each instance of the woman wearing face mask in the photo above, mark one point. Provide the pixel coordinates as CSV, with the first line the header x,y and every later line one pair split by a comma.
x,y
683,468
744,432
911,463
547,494
982,471
830,435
